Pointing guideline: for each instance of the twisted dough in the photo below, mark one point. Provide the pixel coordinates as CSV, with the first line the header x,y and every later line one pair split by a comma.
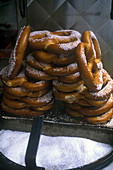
x,y
57,59
17,54
63,41
85,57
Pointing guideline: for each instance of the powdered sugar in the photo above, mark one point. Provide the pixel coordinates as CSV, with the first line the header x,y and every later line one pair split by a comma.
x,y
54,153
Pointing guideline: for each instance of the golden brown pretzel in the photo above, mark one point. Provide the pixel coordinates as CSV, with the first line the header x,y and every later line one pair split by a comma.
x,y
39,101
90,38
62,71
17,81
101,118
13,103
94,111
38,74
72,78
46,107
66,87
23,111
35,86
106,90
16,91
67,97
9,96
86,57
36,64
17,54
32,94
64,41
56,59
93,119
97,103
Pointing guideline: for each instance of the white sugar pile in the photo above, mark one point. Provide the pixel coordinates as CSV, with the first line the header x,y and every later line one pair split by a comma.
x,y
56,153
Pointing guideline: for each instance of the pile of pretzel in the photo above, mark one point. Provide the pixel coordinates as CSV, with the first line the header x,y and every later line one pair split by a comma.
x,y
63,64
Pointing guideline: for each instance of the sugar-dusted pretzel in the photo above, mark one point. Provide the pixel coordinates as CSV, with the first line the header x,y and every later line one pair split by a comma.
x,y
67,87
17,54
57,59
62,41
100,118
89,61
22,111
106,90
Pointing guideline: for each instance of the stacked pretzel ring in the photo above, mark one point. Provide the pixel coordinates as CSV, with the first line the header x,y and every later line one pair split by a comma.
x,y
96,103
23,95
63,65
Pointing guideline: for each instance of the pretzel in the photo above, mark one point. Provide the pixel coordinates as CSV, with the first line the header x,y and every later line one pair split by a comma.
x,y
17,81
94,119
13,103
94,111
67,97
35,86
32,94
62,71
83,102
57,59
86,57
101,118
17,54
16,91
72,78
38,102
97,103
66,87
46,107
10,96
19,112
64,41
106,90
38,74
90,38
31,61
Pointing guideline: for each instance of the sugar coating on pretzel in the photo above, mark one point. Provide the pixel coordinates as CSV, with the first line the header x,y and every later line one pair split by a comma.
x,y
36,102
57,59
66,87
90,38
17,81
63,41
17,54
16,91
46,107
72,78
35,86
37,74
86,58
62,71
106,90
36,64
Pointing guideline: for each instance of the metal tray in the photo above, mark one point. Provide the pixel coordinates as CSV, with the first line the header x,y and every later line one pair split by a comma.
x,y
58,123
